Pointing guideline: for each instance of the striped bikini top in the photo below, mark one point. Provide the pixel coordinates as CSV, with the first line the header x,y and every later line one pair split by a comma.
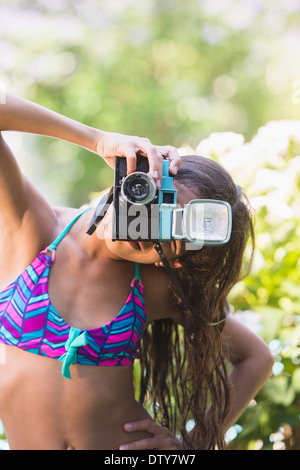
x,y
29,320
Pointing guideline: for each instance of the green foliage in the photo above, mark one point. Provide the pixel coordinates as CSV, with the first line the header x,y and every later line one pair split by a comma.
x,y
267,300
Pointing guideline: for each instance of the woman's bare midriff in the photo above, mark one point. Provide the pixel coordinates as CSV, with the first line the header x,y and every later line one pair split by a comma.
x,y
40,409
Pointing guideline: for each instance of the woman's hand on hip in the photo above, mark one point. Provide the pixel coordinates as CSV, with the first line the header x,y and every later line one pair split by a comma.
x,y
161,439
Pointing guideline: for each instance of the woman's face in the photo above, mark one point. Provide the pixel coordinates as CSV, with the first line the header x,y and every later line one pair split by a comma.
x,y
144,252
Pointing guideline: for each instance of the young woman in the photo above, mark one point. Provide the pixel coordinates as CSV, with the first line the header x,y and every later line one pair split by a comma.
x,y
67,378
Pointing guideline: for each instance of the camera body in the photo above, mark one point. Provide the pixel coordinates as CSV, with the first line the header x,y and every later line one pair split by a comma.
x,y
141,212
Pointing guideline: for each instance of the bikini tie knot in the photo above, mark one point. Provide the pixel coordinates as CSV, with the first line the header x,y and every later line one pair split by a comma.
x,y
76,340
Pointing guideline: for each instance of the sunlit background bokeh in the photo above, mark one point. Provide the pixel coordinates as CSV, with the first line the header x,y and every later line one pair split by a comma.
x,y
220,78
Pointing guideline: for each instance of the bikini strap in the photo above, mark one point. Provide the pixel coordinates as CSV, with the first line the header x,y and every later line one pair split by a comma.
x,y
137,276
54,244
137,271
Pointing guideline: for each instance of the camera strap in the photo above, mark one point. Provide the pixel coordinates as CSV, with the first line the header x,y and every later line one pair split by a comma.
x,y
158,248
100,212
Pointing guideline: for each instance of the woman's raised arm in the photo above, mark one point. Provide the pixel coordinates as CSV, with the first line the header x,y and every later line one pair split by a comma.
x,y
18,114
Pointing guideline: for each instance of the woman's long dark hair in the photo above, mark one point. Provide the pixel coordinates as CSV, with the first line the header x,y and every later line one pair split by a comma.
x,y
183,369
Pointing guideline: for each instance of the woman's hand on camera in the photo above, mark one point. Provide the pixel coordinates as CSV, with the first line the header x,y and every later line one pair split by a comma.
x,y
161,439
110,144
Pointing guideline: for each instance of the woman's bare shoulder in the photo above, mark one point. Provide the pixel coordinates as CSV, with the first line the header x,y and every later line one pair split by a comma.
x,y
20,246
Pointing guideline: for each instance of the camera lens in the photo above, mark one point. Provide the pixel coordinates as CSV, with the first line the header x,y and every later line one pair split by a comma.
x,y
138,188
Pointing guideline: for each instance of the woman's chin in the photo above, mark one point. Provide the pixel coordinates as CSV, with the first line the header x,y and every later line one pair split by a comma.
x,y
134,251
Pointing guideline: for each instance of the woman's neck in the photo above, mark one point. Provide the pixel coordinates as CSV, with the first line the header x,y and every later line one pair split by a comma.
x,y
95,245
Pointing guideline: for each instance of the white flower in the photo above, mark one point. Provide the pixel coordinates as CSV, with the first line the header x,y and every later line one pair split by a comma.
x,y
274,138
269,179
278,210
250,319
219,143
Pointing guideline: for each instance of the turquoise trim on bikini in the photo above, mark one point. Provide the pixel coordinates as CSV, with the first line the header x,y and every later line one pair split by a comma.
x,y
54,244
137,271
76,340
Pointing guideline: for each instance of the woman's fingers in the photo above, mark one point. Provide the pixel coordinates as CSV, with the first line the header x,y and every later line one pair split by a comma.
x,y
155,156
155,160
131,161
173,156
161,437
111,145
144,425
164,151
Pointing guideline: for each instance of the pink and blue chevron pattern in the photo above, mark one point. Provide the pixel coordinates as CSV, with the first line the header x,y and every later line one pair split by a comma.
x,y
29,321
